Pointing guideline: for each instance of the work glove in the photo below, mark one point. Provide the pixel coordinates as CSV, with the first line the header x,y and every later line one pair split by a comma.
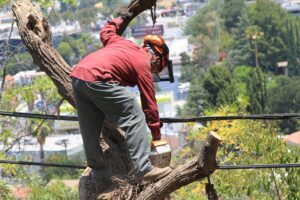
x,y
124,13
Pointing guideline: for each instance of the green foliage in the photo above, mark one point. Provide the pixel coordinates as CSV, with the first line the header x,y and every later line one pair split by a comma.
x,y
5,134
189,71
46,88
3,2
208,37
285,98
74,49
271,19
241,74
195,101
9,99
231,12
63,173
292,38
65,50
86,16
205,51
241,52
53,191
204,21
245,142
256,90
20,62
219,87
5,193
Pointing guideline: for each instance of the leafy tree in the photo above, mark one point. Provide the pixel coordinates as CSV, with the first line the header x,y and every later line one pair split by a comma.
x,y
240,53
20,62
256,90
231,12
240,76
40,129
245,142
195,100
284,98
188,71
219,87
271,19
86,15
205,52
208,37
66,52
204,21
253,33
292,38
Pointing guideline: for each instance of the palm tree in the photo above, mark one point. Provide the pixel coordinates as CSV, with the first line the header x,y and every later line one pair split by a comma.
x,y
254,33
40,130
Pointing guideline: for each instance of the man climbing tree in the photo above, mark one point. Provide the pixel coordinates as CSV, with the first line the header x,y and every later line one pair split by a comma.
x,y
99,82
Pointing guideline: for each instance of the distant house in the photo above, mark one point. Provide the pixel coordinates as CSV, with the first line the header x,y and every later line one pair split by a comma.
x,y
68,144
292,139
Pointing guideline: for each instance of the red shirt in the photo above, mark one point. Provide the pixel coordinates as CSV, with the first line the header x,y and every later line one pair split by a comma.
x,y
122,61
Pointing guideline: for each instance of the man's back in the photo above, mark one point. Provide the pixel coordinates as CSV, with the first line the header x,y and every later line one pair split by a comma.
x,y
120,60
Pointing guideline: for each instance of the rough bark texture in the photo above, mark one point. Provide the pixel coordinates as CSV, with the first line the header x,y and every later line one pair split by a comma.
x,y
36,36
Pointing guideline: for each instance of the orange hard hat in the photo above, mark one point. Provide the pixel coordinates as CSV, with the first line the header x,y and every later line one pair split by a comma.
x,y
158,45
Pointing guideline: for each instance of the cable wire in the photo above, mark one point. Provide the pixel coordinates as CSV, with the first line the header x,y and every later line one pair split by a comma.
x,y
280,116
221,167
40,164
258,166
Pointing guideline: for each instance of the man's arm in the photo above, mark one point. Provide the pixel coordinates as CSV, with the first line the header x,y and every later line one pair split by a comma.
x,y
149,105
108,33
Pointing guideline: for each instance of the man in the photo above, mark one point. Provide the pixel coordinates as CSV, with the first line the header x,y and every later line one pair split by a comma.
x,y
99,83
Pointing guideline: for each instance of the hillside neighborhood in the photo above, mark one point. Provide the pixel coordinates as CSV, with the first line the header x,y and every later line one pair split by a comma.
x,y
226,62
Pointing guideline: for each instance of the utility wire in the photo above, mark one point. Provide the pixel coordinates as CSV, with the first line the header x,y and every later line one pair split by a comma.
x,y
221,167
258,166
280,116
40,164
38,116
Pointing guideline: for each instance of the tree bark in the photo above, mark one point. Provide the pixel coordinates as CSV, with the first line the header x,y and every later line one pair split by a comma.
x,y
36,36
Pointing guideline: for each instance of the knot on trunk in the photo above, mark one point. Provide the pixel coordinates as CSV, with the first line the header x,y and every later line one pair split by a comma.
x,y
40,27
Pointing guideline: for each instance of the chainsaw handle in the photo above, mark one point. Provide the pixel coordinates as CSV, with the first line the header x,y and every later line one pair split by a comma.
x,y
157,143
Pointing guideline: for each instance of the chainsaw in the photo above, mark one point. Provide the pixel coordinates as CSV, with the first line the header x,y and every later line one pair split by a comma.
x,y
160,155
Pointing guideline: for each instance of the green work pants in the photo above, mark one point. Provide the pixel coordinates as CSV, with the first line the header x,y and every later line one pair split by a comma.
x,y
98,100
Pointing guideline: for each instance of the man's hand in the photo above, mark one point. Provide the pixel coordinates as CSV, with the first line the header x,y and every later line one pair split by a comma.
x,y
156,138
124,13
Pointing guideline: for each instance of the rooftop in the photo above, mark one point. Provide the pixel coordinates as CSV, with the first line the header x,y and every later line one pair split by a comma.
x,y
292,139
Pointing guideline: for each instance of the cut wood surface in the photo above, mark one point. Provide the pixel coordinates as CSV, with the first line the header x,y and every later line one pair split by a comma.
x,y
36,36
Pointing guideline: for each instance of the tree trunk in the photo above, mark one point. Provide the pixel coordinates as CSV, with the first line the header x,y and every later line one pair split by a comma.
x,y
36,36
